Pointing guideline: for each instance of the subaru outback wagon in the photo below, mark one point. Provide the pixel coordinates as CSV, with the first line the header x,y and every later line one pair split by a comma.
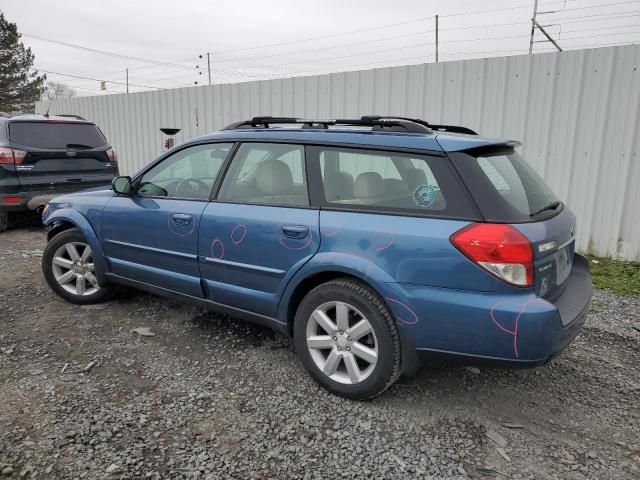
x,y
377,243
42,157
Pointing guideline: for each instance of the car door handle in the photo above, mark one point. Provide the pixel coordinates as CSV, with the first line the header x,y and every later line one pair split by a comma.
x,y
182,219
295,231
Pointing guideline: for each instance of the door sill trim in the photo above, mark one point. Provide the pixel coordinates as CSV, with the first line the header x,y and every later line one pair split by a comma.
x,y
252,317
152,249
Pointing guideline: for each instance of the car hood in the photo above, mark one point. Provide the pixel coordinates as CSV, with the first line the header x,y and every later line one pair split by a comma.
x,y
95,192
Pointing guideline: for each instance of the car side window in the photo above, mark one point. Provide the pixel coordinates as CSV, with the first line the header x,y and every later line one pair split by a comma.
x,y
266,173
189,173
387,180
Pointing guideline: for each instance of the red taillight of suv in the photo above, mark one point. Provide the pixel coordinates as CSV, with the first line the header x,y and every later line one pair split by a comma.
x,y
500,249
111,155
10,156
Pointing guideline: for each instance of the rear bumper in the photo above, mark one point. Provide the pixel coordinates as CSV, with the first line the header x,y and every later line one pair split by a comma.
x,y
518,329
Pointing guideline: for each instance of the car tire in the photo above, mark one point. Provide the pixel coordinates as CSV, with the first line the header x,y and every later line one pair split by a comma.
x,y
70,272
347,340
4,221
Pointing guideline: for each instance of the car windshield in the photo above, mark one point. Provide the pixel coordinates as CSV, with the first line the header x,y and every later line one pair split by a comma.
x,y
56,134
505,186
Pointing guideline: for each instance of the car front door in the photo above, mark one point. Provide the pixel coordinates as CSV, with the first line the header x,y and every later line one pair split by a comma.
x,y
151,235
260,229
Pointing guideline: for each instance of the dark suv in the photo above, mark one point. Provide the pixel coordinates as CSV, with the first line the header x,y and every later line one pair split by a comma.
x,y
43,157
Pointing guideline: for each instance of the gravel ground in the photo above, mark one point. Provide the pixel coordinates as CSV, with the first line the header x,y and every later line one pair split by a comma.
x,y
83,396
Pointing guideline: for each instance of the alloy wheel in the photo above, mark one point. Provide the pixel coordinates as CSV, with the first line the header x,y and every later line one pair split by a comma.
x,y
74,270
342,343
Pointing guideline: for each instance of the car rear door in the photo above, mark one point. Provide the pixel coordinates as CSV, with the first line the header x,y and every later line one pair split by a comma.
x,y
61,155
260,229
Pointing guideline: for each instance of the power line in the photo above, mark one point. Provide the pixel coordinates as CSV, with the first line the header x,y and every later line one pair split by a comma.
x,y
601,28
169,69
324,36
516,7
297,52
569,10
507,24
419,57
598,19
76,87
380,27
520,51
162,75
402,48
102,52
96,79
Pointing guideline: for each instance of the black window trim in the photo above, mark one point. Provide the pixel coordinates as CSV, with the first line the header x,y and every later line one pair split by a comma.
x,y
218,184
460,161
314,202
316,189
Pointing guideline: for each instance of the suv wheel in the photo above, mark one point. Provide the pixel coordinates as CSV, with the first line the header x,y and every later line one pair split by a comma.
x,y
4,221
347,339
67,264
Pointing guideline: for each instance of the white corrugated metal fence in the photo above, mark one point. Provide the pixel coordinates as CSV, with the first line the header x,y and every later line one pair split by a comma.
x,y
577,114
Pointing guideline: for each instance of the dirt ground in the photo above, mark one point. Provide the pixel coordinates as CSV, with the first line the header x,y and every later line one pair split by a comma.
x,y
82,396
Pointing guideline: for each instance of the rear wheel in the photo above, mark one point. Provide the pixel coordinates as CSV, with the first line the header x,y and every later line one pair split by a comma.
x,y
69,269
347,340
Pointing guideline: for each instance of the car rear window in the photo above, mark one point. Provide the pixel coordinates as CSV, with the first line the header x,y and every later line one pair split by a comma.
x,y
394,182
505,186
56,134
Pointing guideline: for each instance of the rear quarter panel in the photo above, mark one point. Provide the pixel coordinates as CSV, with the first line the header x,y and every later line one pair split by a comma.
x,y
407,249
392,253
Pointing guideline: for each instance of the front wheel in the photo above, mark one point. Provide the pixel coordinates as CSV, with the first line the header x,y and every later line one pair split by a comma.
x,y
69,269
347,340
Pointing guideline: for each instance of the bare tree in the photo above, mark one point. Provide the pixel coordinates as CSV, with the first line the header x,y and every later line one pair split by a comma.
x,y
55,90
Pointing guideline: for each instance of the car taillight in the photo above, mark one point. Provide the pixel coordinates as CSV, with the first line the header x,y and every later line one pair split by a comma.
x,y
12,200
111,155
9,156
500,249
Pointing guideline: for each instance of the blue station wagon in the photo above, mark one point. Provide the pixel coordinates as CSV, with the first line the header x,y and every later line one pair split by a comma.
x,y
377,243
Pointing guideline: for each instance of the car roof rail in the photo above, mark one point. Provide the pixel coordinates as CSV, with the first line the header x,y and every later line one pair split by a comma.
x,y
69,115
431,126
453,129
376,122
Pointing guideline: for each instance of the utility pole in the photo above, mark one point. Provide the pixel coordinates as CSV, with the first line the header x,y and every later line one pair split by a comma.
x,y
127,75
437,37
209,66
533,26
547,35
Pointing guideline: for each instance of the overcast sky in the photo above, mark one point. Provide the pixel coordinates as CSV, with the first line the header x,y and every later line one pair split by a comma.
x,y
251,40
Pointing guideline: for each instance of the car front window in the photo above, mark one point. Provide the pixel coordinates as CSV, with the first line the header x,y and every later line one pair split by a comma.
x,y
189,173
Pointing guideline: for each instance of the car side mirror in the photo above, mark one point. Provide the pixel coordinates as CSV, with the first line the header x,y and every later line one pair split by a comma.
x,y
121,185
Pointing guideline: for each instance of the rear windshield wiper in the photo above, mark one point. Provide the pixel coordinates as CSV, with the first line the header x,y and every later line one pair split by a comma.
x,y
550,206
78,145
